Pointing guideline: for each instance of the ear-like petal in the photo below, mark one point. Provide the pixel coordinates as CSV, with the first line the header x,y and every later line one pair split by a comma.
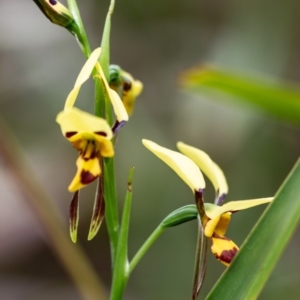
x,y
129,95
75,120
182,165
238,205
83,76
207,166
116,102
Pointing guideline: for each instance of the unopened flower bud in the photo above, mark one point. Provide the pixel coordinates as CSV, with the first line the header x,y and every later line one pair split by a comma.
x,y
55,12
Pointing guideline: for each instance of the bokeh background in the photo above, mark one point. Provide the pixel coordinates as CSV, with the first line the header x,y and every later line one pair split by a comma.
x,y
154,40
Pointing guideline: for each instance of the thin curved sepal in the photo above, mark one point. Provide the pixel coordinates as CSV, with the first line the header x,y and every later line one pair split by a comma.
x,y
74,216
83,76
185,168
98,210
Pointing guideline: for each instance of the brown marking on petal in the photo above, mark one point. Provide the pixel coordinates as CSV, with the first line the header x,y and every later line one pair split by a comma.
x,y
221,237
127,85
70,134
227,255
53,2
102,133
86,177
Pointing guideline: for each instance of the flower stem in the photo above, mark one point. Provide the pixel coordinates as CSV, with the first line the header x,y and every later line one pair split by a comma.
x,y
120,275
81,36
148,243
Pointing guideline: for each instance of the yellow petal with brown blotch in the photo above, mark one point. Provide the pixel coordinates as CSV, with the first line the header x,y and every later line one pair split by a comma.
x,y
75,121
223,249
87,171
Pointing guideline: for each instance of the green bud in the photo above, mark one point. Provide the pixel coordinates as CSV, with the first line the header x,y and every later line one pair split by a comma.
x,y
114,76
180,215
55,12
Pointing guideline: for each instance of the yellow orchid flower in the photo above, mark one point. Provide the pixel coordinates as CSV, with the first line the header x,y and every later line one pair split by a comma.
x,y
91,136
129,87
215,218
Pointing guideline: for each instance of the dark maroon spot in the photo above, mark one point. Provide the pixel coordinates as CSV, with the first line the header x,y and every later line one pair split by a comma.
x,y
102,133
228,255
53,2
87,177
126,85
70,134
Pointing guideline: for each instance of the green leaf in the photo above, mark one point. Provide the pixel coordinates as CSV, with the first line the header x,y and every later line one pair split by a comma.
x,y
250,269
277,98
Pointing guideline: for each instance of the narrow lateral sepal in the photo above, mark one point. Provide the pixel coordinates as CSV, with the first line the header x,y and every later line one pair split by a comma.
x,y
98,211
74,216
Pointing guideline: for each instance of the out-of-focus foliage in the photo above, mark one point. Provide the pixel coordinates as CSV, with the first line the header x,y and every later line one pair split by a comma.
x,y
279,99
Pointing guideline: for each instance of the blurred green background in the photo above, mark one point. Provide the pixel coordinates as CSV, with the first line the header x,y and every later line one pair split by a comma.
x,y
155,41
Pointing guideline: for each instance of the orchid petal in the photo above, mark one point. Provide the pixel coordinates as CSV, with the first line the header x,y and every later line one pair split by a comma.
x,y
185,168
207,166
129,96
83,76
116,102
223,249
87,171
76,120
234,206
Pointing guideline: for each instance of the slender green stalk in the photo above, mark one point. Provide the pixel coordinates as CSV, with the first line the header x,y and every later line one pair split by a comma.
x,y
200,261
111,210
120,276
81,37
71,255
103,109
148,243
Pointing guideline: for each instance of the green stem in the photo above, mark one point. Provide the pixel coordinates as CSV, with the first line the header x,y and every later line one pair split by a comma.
x,y
120,275
111,208
148,243
81,36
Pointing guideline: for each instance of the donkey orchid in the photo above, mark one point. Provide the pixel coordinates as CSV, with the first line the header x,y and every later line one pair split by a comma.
x,y
89,134
215,218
